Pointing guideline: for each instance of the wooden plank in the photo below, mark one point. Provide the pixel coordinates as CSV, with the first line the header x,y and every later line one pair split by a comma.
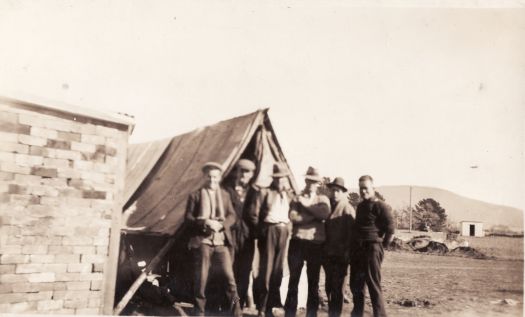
x,y
179,309
111,267
142,277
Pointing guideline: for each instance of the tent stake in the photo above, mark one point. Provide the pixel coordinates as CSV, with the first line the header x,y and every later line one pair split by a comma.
x,y
142,277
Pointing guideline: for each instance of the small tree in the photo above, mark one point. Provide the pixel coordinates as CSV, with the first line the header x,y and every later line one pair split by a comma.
x,y
402,217
428,213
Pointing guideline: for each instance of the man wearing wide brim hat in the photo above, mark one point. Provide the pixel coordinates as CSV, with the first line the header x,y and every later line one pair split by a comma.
x,y
338,230
280,170
312,174
269,217
339,183
307,213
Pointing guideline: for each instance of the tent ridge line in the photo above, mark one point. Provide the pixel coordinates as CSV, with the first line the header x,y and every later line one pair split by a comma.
x,y
221,122
248,134
230,126
279,150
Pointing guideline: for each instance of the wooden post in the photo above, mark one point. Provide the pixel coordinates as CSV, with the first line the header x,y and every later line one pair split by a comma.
x,y
410,206
142,277
111,265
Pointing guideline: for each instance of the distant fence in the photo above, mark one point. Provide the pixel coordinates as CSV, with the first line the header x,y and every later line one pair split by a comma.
x,y
406,235
504,234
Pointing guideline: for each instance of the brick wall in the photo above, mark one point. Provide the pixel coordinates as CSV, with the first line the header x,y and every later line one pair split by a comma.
x,y
61,178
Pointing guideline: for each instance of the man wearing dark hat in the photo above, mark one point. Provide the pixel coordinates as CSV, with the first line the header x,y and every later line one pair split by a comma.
x,y
209,218
243,194
308,212
338,228
269,215
373,230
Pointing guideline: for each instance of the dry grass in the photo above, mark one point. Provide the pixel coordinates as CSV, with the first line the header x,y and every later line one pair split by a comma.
x,y
500,247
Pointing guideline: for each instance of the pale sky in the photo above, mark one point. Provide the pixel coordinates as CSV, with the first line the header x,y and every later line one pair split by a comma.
x,y
409,95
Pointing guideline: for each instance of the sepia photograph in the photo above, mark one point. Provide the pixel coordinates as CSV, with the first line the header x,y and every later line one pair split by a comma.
x,y
262,158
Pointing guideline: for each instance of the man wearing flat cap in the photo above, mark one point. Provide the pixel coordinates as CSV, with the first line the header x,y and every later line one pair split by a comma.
x,y
243,194
308,212
209,217
336,248
269,216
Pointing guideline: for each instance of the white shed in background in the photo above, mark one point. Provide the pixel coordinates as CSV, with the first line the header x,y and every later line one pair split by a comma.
x,y
472,229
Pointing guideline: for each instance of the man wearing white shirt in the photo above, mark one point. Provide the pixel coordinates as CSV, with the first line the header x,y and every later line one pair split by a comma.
x,y
269,215
308,212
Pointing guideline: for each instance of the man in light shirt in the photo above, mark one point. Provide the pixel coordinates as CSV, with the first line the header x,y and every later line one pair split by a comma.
x,y
269,215
308,212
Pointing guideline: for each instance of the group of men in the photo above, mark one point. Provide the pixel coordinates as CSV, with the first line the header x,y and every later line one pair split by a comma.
x,y
227,222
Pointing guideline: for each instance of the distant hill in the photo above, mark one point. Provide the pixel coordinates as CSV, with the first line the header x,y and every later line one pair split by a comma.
x,y
458,208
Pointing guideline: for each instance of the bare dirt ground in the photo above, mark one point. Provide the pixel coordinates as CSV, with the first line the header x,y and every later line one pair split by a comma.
x,y
455,286
451,286
439,285
445,286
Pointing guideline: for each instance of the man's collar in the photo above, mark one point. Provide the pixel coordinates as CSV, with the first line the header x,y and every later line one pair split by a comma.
x,y
237,183
278,191
312,194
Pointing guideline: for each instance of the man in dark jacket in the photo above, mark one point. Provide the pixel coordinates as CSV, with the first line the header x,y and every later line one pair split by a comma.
x,y
373,230
243,194
338,229
269,217
209,218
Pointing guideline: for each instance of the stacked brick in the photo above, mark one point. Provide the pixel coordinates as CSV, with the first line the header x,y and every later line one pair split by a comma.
x,y
60,179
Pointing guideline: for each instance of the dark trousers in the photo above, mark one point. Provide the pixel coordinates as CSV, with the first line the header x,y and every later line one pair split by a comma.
x,y
299,252
366,269
203,257
335,268
217,301
271,244
242,268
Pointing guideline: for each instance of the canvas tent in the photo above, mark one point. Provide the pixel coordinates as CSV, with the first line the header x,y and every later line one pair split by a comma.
x,y
161,174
